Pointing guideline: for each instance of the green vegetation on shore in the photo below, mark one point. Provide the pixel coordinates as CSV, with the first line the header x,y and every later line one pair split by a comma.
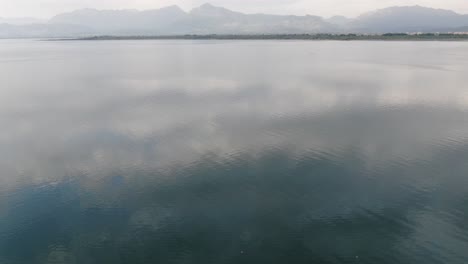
x,y
389,36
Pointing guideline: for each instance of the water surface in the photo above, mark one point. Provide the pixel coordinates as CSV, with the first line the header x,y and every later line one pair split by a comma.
x,y
233,152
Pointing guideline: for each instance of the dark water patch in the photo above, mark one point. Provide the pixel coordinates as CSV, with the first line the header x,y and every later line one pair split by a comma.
x,y
272,207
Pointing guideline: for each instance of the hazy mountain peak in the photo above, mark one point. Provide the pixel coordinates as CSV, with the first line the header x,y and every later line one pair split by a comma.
x,y
169,10
211,10
89,13
413,10
172,8
208,5
409,19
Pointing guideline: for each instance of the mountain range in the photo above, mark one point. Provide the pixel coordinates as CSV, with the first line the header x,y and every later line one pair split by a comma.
x,y
209,19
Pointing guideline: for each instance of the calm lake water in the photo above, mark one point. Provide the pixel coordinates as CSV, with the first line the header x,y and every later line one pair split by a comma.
x,y
233,152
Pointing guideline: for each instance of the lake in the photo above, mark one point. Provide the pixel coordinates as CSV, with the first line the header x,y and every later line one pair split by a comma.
x,y
233,152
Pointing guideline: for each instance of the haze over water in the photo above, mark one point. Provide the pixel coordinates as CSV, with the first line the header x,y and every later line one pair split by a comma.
x,y
233,152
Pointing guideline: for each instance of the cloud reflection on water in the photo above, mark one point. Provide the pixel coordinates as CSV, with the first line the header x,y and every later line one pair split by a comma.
x,y
233,151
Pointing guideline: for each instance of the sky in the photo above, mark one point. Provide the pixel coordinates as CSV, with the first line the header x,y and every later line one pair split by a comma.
x,y
325,8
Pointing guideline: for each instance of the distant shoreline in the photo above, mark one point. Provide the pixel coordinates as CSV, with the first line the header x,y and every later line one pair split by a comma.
x,y
338,37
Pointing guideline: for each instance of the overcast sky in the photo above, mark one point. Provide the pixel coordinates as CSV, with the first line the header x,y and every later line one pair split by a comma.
x,y
48,8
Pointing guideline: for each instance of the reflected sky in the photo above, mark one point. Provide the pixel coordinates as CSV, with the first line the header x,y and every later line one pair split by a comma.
x,y
233,151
